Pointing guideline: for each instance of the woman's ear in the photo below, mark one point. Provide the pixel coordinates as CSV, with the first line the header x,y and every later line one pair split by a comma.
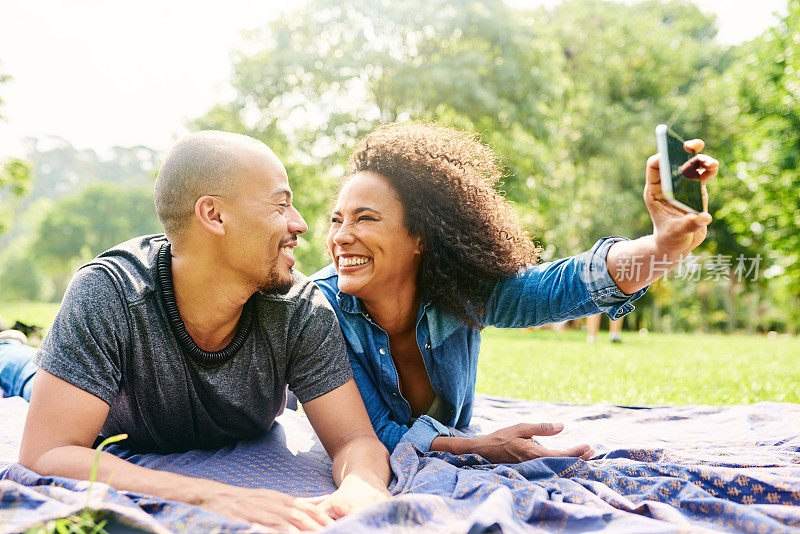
x,y
208,211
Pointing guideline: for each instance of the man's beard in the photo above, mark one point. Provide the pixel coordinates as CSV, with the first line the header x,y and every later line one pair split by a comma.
x,y
275,285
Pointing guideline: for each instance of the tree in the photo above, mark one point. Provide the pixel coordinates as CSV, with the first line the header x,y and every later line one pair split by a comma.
x,y
768,144
623,71
20,278
749,106
569,97
61,169
55,168
79,227
564,96
14,177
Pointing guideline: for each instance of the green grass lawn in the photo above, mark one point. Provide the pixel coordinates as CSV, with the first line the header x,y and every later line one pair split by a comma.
x,y
652,369
31,313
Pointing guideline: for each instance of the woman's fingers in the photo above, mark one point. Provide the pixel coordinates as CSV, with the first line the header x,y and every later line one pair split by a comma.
x,y
691,222
578,451
694,146
539,429
711,166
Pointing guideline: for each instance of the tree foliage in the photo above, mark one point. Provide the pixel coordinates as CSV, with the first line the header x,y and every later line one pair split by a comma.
x,y
568,96
54,168
766,178
14,177
81,226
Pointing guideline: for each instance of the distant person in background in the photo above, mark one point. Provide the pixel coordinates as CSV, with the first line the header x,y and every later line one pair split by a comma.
x,y
593,326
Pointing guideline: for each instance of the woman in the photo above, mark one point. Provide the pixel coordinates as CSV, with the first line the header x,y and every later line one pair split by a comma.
x,y
426,253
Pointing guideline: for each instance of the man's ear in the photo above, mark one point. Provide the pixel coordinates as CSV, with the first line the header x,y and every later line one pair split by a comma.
x,y
208,211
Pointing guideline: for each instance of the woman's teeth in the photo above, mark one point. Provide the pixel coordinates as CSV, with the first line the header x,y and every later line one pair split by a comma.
x,y
353,260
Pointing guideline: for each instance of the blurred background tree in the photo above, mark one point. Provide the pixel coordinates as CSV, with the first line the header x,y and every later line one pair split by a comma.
x,y
569,97
78,205
14,177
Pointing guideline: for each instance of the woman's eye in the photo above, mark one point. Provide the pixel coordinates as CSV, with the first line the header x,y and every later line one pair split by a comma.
x,y
366,218
336,220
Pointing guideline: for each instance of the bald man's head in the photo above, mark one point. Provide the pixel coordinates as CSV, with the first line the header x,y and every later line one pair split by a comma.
x,y
200,164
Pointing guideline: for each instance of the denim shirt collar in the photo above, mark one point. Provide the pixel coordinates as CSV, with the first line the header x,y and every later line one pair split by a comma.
x,y
350,304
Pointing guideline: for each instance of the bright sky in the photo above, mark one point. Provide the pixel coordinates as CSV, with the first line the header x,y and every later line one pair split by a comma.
x,y
102,73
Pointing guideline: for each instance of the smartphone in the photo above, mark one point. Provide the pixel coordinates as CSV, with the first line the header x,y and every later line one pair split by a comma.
x,y
680,179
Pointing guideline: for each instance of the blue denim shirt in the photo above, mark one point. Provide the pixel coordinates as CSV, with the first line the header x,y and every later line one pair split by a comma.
x,y
565,289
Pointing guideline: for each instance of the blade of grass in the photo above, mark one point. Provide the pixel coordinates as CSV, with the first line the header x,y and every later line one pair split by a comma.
x,y
93,474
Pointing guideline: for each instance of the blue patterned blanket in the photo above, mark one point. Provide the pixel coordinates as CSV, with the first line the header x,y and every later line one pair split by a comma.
x,y
658,469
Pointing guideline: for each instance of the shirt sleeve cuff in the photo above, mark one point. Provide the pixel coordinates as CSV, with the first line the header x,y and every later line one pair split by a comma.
x,y
602,289
424,430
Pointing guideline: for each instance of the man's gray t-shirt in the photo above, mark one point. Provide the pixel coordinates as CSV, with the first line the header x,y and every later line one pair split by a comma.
x,y
112,338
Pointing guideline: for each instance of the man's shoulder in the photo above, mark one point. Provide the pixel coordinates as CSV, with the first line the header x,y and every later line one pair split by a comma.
x,y
328,281
132,266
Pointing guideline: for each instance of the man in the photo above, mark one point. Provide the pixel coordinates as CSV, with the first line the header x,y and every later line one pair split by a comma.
x,y
188,340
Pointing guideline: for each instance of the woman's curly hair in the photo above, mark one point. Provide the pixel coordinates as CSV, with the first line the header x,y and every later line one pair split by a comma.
x,y
445,179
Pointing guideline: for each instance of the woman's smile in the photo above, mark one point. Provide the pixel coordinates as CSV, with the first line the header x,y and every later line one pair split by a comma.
x,y
351,263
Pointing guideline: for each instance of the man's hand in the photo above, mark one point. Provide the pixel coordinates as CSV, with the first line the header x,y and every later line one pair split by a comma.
x,y
512,444
270,508
360,461
63,421
677,233
352,496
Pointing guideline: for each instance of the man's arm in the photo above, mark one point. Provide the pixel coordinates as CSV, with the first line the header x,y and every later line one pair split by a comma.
x,y
360,461
635,264
62,423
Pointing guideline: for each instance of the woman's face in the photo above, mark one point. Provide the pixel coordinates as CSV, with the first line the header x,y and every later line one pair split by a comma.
x,y
371,247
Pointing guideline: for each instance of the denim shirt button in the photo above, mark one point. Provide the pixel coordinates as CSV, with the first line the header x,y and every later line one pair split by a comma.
x,y
427,345
382,351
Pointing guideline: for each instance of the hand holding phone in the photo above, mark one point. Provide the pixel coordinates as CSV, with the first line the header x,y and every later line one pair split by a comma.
x,y
675,193
681,171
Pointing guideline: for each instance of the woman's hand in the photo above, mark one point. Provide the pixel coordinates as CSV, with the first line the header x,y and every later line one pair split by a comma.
x,y
677,233
515,444
512,444
635,264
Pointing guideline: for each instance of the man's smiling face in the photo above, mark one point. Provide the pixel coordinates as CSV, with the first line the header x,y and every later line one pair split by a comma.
x,y
262,225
